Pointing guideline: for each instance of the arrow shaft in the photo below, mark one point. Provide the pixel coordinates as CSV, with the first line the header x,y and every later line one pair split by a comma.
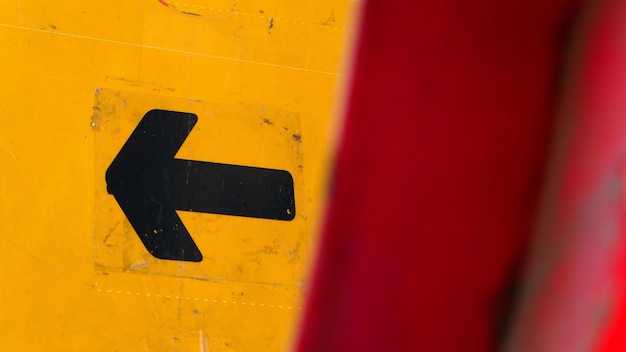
x,y
232,190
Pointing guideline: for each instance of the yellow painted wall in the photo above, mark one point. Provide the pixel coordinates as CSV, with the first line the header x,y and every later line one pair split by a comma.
x,y
76,78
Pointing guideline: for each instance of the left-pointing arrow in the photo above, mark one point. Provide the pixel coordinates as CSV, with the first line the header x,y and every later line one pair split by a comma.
x,y
149,185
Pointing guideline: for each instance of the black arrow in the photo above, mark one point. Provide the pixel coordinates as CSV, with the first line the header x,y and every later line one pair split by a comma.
x,y
149,184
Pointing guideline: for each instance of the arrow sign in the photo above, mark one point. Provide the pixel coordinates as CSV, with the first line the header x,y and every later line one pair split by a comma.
x,y
149,185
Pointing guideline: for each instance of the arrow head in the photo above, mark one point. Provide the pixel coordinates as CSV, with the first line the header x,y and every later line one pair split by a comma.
x,y
140,180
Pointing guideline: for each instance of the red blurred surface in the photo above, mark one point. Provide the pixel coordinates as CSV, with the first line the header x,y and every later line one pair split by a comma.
x,y
448,123
574,295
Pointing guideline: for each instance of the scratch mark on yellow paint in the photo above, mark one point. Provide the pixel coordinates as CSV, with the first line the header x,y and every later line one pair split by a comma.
x,y
6,149
200,278
328,24
152,47
31,255
230,74
197,299
13,46
19,11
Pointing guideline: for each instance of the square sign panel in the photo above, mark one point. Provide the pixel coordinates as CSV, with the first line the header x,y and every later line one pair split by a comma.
x,y
197,189
163,170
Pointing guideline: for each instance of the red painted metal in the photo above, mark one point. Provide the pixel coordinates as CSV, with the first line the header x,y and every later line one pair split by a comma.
x,y
574,292
449,117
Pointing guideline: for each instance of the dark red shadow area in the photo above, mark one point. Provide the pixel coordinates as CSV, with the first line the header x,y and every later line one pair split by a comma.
x,y
450,113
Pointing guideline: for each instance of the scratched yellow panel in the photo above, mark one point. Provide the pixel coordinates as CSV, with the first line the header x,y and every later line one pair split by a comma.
x,y
234,248
77,76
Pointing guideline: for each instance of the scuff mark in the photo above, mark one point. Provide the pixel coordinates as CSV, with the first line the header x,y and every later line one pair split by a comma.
x,y
95,118
268,250
19,11
294,254
236,31
179,306
330,21
203,348
36,258
13,46
170,5
139,264
6,149
297,137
